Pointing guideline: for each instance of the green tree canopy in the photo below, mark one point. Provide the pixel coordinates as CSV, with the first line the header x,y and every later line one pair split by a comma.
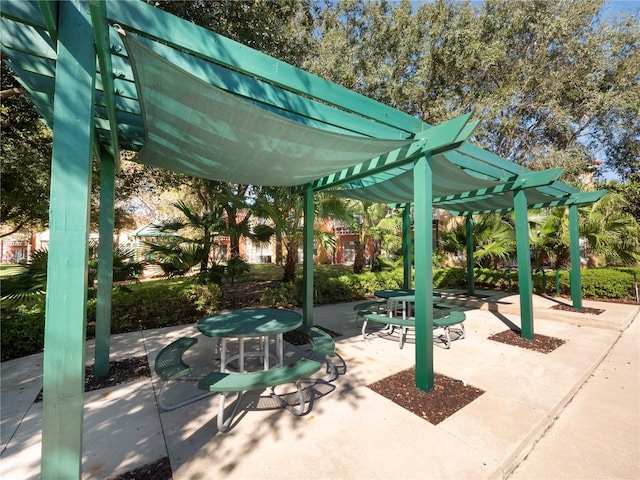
x,y
555,82
26,155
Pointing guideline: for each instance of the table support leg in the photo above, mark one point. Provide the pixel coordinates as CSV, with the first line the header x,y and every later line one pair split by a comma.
x,y
265,359
223,355
241,359
280,349
223,425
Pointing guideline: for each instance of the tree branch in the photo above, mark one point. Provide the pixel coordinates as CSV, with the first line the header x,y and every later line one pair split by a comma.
x,y
11,92
11,232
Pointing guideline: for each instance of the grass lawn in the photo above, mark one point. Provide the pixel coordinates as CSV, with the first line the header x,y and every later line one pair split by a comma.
x,y
270,271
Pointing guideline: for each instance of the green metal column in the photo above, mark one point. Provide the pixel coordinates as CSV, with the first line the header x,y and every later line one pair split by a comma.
x,y
406,245
307,266
524,264
574,242
471,286
65,326
423,247
105,264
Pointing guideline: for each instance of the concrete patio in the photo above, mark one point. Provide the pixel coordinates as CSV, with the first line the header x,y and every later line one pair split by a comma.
x,y
355,433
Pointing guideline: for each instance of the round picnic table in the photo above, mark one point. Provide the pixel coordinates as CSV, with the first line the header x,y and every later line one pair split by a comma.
x,y
400,295
250,323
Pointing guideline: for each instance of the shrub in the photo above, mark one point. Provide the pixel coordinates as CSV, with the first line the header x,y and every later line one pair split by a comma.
x,y
133,307
450,277
597,283
22,330
328,289
608,283
156,304
287,295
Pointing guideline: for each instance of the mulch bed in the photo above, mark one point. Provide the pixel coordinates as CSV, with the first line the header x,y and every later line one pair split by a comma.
x,y
568,308
244,295
158,470
447,397
120,371
540,343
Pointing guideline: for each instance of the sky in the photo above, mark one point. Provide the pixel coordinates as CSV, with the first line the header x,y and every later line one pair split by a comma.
x,y
631,6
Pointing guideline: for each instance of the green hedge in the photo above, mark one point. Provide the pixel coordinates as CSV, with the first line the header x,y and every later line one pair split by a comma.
x,y
134,307
155,305
608,283
599,283
327,289
22,330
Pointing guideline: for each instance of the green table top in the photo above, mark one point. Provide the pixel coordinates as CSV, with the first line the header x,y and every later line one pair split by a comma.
x,y
409,298
400,295
249,322
393,292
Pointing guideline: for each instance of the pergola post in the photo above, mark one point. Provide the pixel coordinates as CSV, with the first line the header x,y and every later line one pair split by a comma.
x,y
575,278
524,264
65,326
471,286
406,245
307,265
105,264
423,248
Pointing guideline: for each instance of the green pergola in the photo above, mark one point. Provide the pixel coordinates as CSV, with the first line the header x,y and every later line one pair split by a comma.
x,y
108,76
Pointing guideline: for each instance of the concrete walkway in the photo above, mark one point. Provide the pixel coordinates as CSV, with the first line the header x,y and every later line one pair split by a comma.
x,y
572,413
597,436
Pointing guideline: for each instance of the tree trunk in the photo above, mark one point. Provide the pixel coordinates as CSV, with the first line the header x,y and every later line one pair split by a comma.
x,y
278,248
376,266
291,263
358,262
206,247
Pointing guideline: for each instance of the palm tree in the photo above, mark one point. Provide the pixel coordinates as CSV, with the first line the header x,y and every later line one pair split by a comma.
x,y
373,222
185,251
612,234
31,282
285,210
493,239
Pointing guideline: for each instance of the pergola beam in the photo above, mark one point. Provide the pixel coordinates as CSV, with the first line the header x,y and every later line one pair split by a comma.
x,y
527,180
575,279
443,136
524,264
423,258
49,10
98,11
470,251
307,266
105,263
406,246
581,198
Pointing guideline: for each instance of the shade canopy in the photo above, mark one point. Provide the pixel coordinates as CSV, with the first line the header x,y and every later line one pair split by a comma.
x,y
210,133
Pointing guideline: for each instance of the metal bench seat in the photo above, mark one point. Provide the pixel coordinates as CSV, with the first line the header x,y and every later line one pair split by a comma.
x,y
378,306
324,346
454,318
170,366
446,322
225,382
